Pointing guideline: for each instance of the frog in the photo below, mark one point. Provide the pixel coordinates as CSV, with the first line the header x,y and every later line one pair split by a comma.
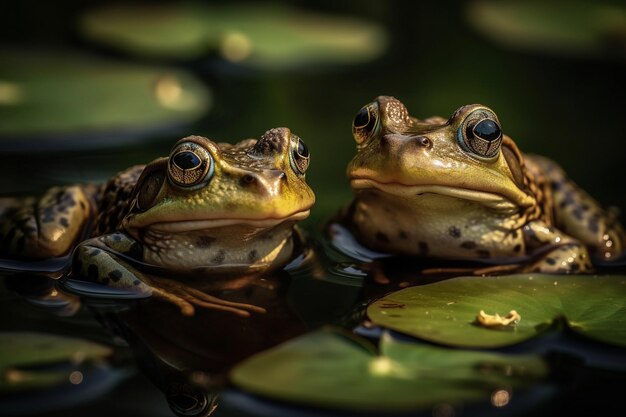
x,y
208,211
460,189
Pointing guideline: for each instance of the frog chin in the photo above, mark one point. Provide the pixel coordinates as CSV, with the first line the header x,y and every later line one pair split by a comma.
x,y
488,199
210,224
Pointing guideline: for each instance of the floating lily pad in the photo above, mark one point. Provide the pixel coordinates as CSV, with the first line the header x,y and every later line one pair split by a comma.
x,y
63,98
561,27
33,360
330,369
445,312
262,36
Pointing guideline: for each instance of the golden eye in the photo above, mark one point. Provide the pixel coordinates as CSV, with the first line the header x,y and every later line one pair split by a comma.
x,y
365,122
190,165
480,134
300,157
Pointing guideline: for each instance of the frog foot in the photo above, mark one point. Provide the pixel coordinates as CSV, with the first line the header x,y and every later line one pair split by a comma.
x,y
188,298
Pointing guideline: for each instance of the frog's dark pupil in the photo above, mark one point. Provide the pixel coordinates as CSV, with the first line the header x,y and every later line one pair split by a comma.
x,y
303,151
186,160
362,117
487,129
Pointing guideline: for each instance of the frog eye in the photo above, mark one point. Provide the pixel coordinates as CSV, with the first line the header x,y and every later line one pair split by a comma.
x,y
190,165
365,123
481,134
299,157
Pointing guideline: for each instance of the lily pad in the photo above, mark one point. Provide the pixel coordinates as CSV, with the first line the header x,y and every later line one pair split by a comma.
x,y
32,360
330,369
445,312
62,97
260,36
571,27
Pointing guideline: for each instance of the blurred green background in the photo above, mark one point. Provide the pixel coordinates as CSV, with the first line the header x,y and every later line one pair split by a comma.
x,y
87,89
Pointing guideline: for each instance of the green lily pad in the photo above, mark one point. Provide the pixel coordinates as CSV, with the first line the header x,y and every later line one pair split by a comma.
x,y
562,27
25,355
445,312
330,369
57,95
261,36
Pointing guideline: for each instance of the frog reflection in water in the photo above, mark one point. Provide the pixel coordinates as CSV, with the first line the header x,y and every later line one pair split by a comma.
x,y
460,189
208,208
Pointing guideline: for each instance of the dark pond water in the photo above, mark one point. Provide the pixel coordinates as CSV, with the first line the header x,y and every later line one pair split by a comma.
x,y
565,103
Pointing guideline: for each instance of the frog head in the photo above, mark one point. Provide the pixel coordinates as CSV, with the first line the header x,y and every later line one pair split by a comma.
x,y
466,156
203,185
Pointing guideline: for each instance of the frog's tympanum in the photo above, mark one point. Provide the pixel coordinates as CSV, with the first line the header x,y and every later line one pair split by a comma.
x,y
208,208
461,189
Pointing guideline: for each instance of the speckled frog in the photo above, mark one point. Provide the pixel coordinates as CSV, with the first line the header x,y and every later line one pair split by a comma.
x,y
460,189
207,209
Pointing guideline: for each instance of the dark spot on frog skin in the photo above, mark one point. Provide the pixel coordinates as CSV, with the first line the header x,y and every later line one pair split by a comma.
x,y
219,258
468,244
455,232
551,261
136,283
83,206
95,252
253,255
423,246
92,272
115,275
403,235
483,254
593,225
381,237
117,237
517,248
135,251
578,213
63,221
205,241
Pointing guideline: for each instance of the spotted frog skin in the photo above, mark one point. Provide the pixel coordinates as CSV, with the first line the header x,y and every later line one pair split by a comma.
x,y
208,208
460,189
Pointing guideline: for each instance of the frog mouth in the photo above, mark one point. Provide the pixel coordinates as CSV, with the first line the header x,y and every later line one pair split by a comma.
x,y
182,226
486,198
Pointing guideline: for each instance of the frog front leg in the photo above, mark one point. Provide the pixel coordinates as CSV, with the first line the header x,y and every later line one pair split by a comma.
x,y
46,227
109,260
553,251
578,214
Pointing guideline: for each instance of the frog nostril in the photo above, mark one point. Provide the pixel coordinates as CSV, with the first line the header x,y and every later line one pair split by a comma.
x,y
248,179
424,141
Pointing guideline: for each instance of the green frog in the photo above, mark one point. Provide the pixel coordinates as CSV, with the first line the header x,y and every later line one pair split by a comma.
x,y
209,208
460,189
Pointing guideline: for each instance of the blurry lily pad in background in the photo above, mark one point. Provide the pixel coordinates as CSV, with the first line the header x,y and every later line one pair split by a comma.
x,y
53,100
34,360
330,369
571,27
445,312
259,36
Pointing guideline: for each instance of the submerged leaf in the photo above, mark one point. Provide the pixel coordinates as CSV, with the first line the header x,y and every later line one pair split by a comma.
x,y
56,95
445,312
570,27
329,369
260,36
37,360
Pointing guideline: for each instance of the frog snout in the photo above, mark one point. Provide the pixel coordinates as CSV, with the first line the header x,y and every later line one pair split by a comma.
x,y
395,141
266,183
